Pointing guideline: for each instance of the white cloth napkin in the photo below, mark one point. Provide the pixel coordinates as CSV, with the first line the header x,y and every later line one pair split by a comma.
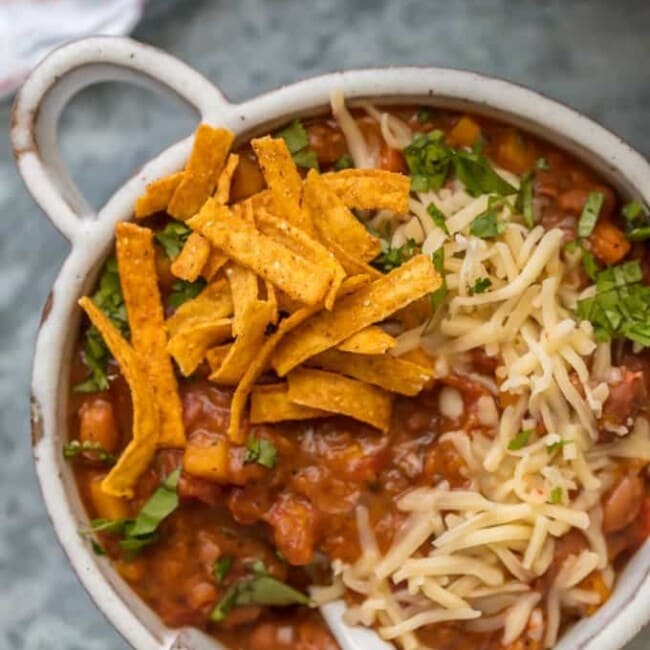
x,y
30,29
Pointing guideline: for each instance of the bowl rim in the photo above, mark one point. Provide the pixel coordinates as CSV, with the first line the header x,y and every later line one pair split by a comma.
x,y
92,236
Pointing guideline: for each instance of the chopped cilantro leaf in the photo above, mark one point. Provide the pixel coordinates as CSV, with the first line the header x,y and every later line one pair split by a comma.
x,y
182,291
297,141
542,164
222,567
437,217
260,589
141,532
481,285
295,136
633,210
75,448
475,172
424,115
98,549
637,221
391,258
556,446
344,162
306,159
524,200
487,225
590,213
429,161
620,307
96,355
520,440
261,451
172,238
590,264
439,295
556,495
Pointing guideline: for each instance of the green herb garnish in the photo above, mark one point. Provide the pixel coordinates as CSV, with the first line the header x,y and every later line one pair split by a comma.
x,y
182,291
520,440
437,217
297,141
590,264
159,506
556,495
173,237
481,285
429,160
96,355
261,451
439,295
475,172
423,115
344,162
621,306
556,446
542,164
637,221
391,258
487,225
222,567
524,200
590,213
75,448
260,589
142,531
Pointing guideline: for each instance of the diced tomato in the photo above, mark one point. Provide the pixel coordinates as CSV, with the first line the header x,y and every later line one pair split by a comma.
x,y
294,526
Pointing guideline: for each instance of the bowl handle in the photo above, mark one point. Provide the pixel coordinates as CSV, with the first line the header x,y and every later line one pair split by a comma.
x,y
69,69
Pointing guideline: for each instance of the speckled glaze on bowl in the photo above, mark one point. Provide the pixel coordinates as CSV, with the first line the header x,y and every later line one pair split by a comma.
x,y
34,136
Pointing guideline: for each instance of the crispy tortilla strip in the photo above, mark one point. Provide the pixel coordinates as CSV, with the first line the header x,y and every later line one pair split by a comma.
x,y
301,243
192,258
419,357
283,179
272,299
352,283
368,305
236,432
388,372
205,163
244,290
338,394
213,303
334,221
222,193
299,278
215,356
190,345
137,270
135,459
157,195
216,261
351,264
372,340
270,403
371,189
257,315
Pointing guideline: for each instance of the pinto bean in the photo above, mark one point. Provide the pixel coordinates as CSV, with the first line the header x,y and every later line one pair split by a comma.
x,y
622,505
625,398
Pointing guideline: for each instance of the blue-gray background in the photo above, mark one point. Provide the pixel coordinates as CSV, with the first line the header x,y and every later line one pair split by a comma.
x,y
591,54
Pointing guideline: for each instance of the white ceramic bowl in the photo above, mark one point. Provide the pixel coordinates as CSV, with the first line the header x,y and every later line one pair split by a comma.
x,y
34,136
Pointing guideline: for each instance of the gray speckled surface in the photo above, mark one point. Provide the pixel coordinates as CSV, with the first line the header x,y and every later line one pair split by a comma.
x,y
592,54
